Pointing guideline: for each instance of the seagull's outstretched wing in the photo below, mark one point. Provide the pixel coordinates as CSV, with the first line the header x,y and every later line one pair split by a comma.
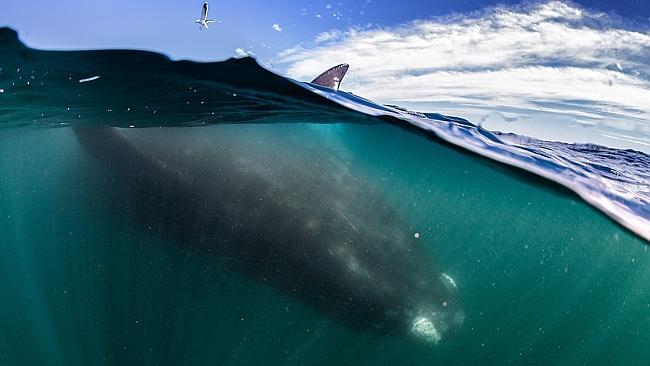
x,y
204,12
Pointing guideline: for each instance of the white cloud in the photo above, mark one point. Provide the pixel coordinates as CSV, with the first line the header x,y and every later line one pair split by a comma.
x,y
276,27
525,57
240,52
328,36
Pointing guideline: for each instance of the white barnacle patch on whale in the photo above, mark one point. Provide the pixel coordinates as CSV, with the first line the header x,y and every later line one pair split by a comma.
x,y
448,281
424,329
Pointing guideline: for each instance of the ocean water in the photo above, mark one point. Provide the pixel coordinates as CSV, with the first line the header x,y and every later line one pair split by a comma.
x,y
547,242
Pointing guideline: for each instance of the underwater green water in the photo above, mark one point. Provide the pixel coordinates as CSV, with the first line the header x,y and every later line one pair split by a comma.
x,y
543,277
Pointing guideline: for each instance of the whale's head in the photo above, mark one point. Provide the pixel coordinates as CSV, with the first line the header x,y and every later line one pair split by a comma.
x,y
392,284
440,316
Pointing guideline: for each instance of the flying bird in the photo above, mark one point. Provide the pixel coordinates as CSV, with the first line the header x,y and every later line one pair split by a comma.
x,y
203,21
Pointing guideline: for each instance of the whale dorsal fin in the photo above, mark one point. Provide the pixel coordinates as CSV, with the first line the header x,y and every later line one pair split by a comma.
x,y
332,78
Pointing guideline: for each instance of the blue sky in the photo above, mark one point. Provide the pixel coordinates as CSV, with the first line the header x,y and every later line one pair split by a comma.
x,y
568,71
166,25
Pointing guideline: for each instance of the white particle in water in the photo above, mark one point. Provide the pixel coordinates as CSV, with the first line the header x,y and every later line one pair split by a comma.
x,y
89,79
416,235
2,91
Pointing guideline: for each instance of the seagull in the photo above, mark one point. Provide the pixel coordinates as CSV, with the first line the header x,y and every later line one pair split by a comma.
x,y
203,21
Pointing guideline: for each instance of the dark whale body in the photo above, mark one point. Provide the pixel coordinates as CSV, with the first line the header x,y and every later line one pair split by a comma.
x,y
296,220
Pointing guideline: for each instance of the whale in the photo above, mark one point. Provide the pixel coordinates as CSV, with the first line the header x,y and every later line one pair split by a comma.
x,y
332,77
287,213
